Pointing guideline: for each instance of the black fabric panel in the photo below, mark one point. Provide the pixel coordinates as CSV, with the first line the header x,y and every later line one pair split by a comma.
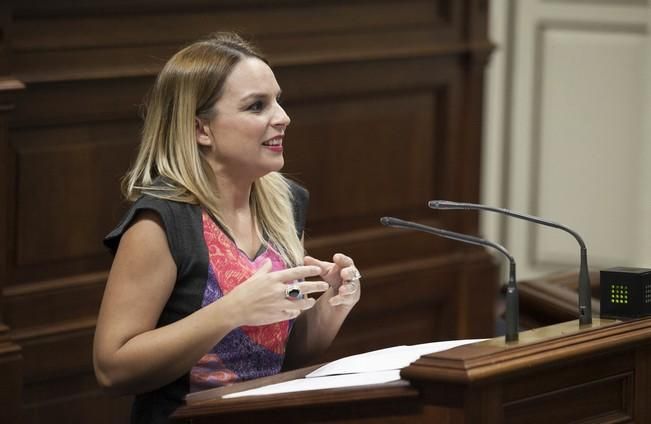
x,y
300,202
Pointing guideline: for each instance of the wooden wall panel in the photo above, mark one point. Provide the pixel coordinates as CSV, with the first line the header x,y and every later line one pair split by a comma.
x,y
75,102
385,100
71,169
81,34
342,134
57,301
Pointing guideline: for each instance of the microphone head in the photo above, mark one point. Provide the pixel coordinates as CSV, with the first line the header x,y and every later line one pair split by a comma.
x,y
440,204
385,220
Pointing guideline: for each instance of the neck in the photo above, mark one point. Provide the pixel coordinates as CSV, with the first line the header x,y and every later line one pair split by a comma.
x,y
234,194
236,213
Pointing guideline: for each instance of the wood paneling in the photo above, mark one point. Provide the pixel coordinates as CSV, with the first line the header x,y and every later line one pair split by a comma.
x,y
385,101
11,365
11,360
76,170
56,300
562,373
340,135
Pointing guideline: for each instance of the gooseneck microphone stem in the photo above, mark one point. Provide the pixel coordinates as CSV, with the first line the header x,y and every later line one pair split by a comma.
x,y
512,308
585,297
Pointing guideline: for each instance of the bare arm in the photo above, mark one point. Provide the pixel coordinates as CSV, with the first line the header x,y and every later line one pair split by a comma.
x,y
131,355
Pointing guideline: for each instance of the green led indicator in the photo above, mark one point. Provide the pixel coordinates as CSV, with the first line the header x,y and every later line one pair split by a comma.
x,y
619,294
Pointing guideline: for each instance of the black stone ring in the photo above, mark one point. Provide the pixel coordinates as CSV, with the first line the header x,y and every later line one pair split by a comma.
x,y
292,291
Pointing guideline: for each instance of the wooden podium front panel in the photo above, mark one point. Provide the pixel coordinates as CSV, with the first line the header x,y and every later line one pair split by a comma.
x,y
593,388
561,373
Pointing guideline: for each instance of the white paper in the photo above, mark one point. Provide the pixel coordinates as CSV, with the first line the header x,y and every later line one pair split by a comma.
x,y
393,358
329,382
376,367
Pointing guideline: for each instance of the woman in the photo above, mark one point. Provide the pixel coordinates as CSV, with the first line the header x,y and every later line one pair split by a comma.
x,y
207,284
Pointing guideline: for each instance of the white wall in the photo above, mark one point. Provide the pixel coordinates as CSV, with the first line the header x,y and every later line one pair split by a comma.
x,y
566,134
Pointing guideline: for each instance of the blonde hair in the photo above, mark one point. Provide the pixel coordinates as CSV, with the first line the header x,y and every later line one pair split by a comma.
x,y
187,87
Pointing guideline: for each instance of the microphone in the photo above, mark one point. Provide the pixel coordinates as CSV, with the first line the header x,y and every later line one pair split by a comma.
x,y
512,312
585,306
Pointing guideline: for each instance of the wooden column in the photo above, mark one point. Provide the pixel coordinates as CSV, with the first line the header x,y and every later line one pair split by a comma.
x,y
10,353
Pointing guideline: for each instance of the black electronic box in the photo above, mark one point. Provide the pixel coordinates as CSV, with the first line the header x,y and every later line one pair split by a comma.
x,y
625,292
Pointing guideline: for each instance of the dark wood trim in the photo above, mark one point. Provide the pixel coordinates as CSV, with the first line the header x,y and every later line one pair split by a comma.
x,y
11,360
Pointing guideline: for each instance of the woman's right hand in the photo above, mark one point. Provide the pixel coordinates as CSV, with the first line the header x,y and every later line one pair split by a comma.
x,y
261,299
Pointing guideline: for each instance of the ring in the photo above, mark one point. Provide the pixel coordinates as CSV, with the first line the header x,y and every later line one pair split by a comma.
x,y
292,291
355,275
353,285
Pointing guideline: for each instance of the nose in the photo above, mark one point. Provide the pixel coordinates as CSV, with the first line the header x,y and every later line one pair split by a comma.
x,y
281,119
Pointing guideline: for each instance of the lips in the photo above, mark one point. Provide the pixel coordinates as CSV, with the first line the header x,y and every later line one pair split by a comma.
x,y
274,141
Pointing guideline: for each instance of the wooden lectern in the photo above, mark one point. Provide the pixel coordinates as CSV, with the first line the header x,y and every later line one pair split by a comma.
x,y
556,374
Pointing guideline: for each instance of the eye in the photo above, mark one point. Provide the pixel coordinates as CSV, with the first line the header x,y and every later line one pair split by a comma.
x,y
256,106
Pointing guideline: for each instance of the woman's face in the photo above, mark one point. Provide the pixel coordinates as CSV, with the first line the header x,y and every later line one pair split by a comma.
x,y
245,138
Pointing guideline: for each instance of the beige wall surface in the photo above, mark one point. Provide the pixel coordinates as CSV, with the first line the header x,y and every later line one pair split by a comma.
x,y
566,135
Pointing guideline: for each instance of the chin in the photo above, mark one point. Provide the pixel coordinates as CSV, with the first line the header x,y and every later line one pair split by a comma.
x,y
276,166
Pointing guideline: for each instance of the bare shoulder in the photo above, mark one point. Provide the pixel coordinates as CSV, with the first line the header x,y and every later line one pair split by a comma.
x,y
147,226
144,249
143,273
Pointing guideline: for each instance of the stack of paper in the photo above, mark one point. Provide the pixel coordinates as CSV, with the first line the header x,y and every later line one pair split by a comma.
x,y
376,367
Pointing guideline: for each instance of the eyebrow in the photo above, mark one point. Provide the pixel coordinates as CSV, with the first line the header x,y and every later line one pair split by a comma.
x,y
252,96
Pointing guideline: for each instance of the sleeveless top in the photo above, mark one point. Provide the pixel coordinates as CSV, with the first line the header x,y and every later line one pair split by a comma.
x,y
209,265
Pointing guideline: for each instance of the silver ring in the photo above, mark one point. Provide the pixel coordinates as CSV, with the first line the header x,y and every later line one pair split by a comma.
x,y
292,291
356,275
353,285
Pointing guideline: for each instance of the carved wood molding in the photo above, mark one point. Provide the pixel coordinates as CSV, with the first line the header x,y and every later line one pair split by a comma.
x,y
545,346
9,89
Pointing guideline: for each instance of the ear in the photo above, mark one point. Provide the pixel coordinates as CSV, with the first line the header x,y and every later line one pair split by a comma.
x,y
202,132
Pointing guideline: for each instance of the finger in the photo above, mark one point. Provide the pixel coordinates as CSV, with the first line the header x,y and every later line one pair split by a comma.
x,y
349,288
308,287
297,273
342,300
346,295
291,313
342,260
310,260
325,266
350,273
305,303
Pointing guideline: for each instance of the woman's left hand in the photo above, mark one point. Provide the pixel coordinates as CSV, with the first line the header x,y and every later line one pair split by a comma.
x,y
343,277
